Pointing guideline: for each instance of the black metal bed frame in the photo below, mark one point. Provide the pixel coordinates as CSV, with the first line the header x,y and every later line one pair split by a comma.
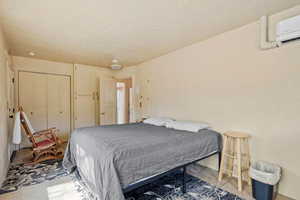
x,y
183,167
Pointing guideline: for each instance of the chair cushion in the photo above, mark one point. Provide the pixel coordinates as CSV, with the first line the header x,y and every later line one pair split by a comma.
x,y
44,144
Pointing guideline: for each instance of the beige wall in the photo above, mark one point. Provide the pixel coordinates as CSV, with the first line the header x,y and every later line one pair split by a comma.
x,y
4,157
232,84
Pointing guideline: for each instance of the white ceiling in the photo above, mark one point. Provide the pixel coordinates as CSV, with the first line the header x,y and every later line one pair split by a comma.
x,y
94,31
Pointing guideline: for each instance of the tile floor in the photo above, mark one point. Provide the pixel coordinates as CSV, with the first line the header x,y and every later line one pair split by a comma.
x,y
61,189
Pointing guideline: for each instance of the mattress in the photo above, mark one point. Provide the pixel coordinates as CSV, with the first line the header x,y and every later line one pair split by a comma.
x,y
110,158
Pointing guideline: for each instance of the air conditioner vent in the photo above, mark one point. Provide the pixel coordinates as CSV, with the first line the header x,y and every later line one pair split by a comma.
x,y
288,30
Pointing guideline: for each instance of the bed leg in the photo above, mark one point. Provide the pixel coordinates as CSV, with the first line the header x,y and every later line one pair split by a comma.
x,y
219,159
183,180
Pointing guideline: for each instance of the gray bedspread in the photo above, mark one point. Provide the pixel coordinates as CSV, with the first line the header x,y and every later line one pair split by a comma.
x,y
109,158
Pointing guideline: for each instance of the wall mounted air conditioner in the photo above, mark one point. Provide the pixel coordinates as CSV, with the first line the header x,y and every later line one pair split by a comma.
x,y
288,29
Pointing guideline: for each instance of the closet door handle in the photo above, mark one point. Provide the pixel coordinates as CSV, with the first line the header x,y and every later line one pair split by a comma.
x,y
103,113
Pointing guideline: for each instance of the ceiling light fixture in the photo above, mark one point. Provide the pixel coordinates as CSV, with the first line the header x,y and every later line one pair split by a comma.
x,y
115,65
31,53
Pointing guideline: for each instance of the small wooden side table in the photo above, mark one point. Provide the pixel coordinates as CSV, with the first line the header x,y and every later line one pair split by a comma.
x,y
236,148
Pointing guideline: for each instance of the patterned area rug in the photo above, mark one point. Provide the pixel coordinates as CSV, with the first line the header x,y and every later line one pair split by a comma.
x,y
24,175
166,188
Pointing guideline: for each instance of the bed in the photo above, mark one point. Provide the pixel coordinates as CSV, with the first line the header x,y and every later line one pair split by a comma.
x,y
115,159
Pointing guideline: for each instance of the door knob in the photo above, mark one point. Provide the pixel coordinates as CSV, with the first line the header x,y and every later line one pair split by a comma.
x,y
103,113
61,112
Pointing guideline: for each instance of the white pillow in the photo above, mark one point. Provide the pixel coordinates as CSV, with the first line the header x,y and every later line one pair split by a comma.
x,y
187,125
158,121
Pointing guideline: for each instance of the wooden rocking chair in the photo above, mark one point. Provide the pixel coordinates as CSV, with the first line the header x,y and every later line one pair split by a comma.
x,y
45,143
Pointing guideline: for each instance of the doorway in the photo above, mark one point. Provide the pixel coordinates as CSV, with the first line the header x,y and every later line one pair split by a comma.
x,y
124,100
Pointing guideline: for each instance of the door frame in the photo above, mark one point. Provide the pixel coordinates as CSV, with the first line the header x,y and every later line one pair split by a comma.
x,y
128,82
134,112
10,79
10,103
17,92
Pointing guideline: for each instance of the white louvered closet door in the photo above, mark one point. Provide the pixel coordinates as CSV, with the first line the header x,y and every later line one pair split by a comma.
x,y
59,104
46,100
33,98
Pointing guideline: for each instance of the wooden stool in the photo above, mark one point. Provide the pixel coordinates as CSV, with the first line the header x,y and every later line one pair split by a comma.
x,y
235,148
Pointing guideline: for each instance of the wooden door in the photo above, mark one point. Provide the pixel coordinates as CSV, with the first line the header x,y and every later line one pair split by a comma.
x,y
86,99
59,111
108,106
33,98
